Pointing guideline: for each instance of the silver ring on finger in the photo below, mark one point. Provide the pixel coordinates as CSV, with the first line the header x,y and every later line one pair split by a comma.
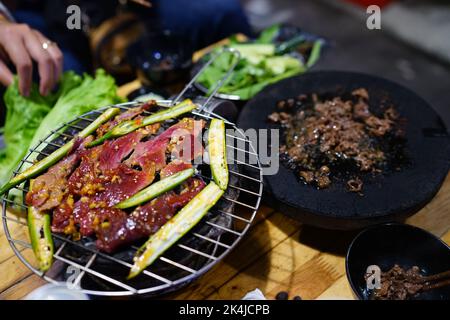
x,y
47,44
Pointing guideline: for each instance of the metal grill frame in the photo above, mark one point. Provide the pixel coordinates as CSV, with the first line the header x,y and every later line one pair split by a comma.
x,y
168,285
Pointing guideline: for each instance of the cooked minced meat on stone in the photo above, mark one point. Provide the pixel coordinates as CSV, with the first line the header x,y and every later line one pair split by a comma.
x,y
361,92
355,185
325,133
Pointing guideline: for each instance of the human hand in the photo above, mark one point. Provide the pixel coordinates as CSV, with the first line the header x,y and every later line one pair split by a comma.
x,y
22,45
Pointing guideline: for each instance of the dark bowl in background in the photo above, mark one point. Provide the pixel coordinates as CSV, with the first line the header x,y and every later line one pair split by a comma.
x,y
388,244
160,58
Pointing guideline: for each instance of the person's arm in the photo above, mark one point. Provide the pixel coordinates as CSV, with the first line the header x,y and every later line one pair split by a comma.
x,y
21,45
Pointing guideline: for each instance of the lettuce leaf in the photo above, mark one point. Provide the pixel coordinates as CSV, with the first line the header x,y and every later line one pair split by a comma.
x,y
29,119
91,94
23,117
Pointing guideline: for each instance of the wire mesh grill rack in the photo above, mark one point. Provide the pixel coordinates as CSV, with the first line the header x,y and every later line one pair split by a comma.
x,y
84,267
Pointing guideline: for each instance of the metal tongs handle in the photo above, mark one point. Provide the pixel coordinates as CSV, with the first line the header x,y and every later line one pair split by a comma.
x,y
219,84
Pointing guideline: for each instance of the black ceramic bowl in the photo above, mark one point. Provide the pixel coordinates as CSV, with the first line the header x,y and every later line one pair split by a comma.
x,y
160,58
389,244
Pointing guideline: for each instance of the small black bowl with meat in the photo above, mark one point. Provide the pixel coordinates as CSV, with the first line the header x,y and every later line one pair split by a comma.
x,y
410,263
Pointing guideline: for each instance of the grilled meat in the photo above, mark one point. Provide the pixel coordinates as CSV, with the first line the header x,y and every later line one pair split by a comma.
x,y
62,218
173,167
105,191
115,230
83,188
51,187
127,115
154,151
112,152
355,185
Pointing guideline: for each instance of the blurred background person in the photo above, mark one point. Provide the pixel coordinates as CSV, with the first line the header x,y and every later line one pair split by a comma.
x,y
35,33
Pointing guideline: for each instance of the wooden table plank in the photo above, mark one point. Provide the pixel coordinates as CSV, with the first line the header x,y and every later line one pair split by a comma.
x,y
290,266
17,232
435,216
260,239
446,238
339,290
22,288
13,270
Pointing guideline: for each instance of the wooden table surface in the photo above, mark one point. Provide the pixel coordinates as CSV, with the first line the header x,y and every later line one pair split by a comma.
x,y
277,254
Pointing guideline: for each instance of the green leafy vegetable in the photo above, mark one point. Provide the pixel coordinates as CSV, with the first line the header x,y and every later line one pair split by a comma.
x,y
280,65
269,34
315,53
262,63
29,119
91,94
23,117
